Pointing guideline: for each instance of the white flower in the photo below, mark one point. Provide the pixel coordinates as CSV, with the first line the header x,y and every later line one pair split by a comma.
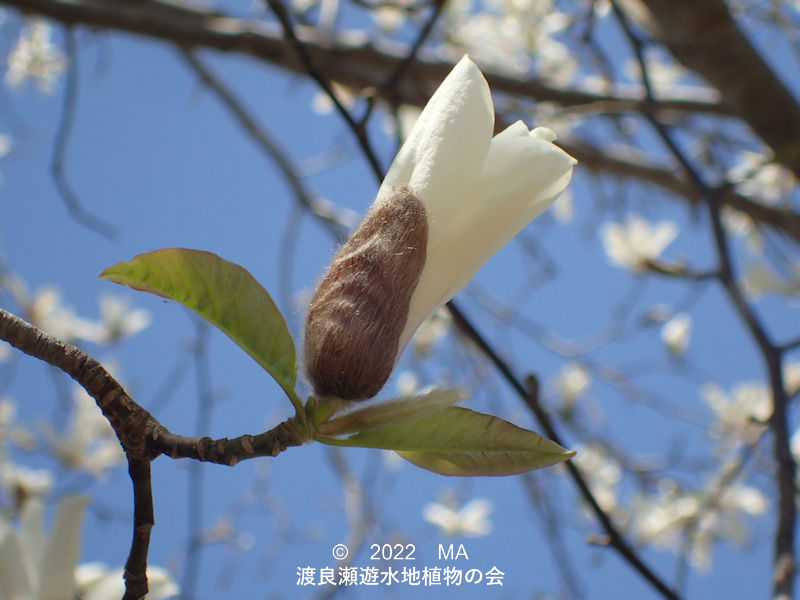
x,y
758,176
47,311
118,320
478,191
602,473
572,383
791,378
676,334
21,482
33,565
431,331
563,209
96,581
741,413
471,520
636,243
664,519
35,56
451,199
759,280
89,442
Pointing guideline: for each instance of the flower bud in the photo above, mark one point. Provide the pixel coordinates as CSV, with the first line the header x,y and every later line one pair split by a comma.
x,y
361,306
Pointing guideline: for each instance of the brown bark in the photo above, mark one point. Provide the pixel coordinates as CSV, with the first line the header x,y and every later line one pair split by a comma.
x,y
706,39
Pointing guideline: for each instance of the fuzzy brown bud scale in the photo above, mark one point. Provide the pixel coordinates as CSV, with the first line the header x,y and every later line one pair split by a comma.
x,y
360,308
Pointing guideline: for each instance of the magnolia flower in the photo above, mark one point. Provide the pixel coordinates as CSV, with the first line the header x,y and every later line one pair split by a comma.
x,y
676,334
636,243
451,199
471,520
35,566
603,474
741,414
21,482
88,443
664,519
572,382
35,56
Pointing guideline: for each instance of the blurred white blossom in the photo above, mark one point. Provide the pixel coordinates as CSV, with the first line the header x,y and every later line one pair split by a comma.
x,y
10,431
5,144
741,225
35,57
759,280
636,242
740,414
96,581
512,36
389,18
21,482
791,377
471,520
571,383
36,566
47,311
431,332
406,383
602,473
563,208
666,518
89,443
676,334
758,176
118,320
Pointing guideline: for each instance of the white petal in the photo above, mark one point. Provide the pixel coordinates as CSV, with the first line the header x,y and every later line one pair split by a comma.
x,y
15,578
57,575
661,237
521,177
32,537
444,152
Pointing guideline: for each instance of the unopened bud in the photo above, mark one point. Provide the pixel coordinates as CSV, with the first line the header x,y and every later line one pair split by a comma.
x,y
360,308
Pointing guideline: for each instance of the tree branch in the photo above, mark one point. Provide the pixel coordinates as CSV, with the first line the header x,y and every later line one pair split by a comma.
x,y
530,395
139,432
784,561
704,36
61,143
361,65
347,59
135,574
628,164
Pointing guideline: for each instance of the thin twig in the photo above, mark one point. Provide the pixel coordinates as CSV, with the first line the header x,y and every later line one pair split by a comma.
x,y
265,140
530,397
358,129
61,144
784,561
402,67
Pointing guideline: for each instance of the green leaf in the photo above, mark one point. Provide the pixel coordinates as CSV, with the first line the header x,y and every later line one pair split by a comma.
x,y
392,411
459,441
223,293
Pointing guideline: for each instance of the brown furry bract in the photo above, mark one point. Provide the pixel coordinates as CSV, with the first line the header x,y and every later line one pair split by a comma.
x,y
360,308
